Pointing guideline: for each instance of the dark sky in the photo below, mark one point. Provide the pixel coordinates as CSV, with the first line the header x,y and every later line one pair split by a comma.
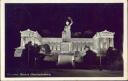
x,y
50,19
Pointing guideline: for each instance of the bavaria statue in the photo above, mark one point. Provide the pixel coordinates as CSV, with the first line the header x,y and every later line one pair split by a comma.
x,y
66,34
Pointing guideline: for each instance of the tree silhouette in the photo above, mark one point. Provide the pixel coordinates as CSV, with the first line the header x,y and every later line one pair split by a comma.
x,y
90,59
29,56
47,48
113,59
25,58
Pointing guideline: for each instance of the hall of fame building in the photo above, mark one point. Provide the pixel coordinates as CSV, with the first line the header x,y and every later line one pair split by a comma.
x,y
99,43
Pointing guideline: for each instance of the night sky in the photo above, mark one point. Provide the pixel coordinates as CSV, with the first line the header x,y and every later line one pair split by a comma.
x,y
49,20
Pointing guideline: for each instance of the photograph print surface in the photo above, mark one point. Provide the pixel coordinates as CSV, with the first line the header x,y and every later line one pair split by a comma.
x,y
63,40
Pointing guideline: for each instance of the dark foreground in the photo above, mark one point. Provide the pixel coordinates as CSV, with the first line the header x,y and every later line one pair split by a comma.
x,y
67,73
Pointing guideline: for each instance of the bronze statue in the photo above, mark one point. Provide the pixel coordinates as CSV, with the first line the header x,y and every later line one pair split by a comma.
x,y
66,34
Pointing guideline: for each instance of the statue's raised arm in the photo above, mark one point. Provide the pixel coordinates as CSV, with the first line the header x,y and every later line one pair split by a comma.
x,y
71,21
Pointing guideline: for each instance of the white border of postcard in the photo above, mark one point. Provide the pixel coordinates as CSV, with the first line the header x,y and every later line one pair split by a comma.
x,y
125,56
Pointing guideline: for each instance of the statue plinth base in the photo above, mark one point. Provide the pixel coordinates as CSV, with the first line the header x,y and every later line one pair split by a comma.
x,y
66,40
66,47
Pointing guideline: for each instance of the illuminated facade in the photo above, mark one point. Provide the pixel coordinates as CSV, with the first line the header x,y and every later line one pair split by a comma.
x,y
99,43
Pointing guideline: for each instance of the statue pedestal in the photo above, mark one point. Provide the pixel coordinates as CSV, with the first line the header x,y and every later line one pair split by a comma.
x,y
66,47
66,60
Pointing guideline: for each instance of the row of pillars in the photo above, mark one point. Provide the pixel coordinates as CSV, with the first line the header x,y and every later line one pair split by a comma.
x,y
74,47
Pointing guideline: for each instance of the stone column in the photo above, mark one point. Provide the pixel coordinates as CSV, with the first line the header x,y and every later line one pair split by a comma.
x,y
22,42
54,46
111,42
